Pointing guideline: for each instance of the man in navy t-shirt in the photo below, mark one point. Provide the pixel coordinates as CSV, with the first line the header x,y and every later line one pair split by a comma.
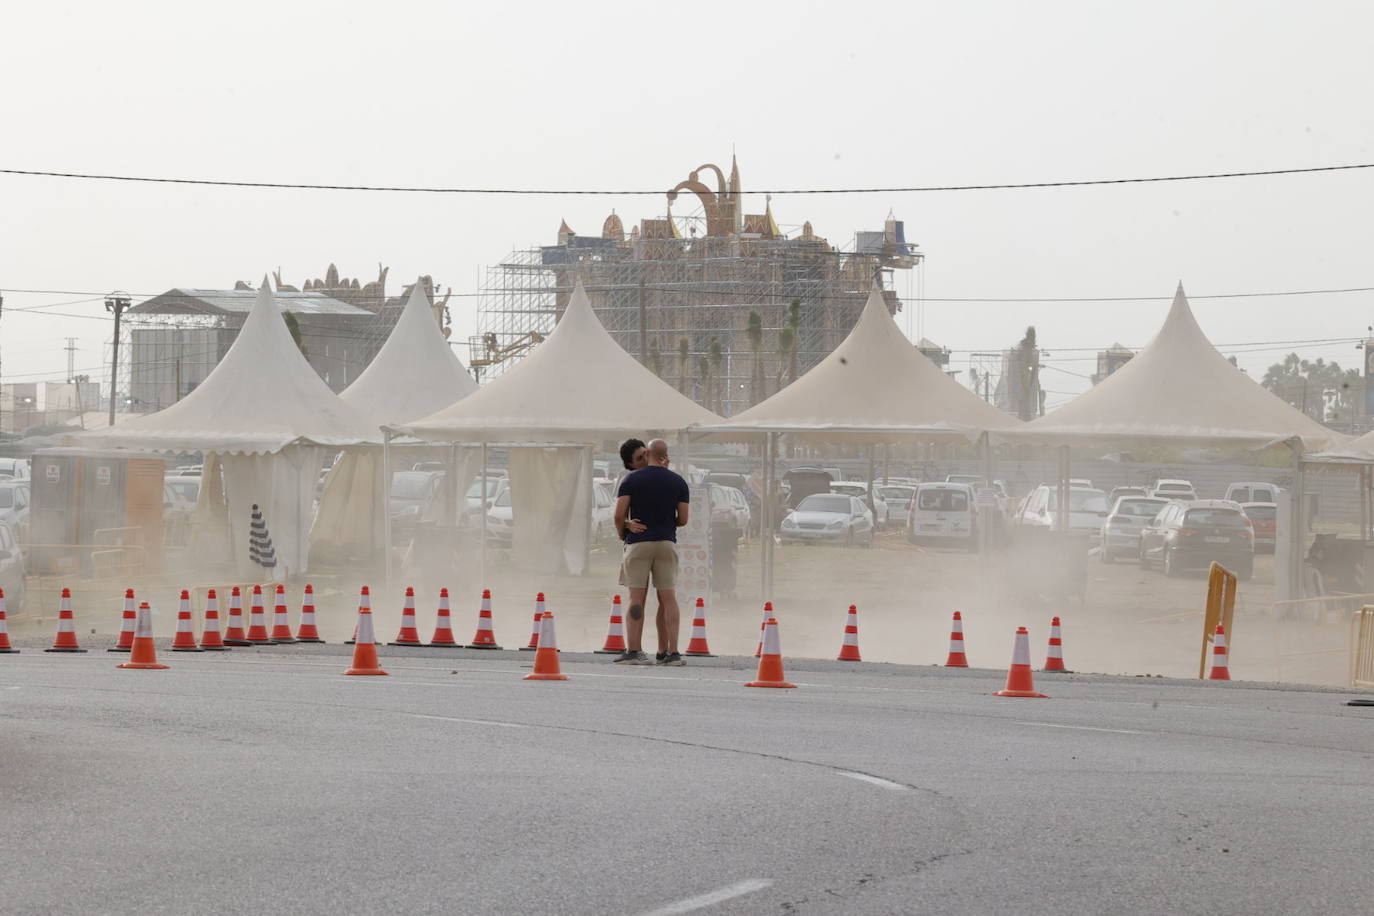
x,y
657,498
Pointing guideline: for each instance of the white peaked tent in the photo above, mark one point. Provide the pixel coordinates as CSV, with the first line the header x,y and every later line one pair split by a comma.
x,y
578,388
1177,391
874,387
414,374
268,417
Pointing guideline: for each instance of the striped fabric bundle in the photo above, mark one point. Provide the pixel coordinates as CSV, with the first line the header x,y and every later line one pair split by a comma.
x,y
260,548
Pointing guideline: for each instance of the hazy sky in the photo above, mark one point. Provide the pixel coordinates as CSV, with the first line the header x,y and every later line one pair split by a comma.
x,y
634,95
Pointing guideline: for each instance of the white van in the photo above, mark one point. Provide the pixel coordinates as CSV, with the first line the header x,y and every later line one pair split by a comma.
x,y
943,511
1251,492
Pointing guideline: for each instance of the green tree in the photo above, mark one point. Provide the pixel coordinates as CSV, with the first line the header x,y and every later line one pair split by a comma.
x,y
294,326
684,359
717,355
793,322
1322,390
704,370
1028,398
655,359
755,334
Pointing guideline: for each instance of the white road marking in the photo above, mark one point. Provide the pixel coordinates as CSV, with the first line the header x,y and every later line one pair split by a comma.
x,y
702,901
877,781
416,715
1084,728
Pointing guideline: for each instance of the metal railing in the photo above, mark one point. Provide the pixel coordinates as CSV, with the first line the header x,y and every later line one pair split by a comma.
x,y
1317,609
1362,647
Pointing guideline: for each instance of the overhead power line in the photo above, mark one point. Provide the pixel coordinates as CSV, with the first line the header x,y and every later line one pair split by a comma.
x,y
914,189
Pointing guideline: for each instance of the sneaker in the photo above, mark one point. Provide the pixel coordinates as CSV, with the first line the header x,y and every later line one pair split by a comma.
x,y
672,658
659,657
631,658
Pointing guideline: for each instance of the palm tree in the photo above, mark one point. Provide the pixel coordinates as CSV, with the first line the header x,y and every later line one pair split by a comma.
x,y
755,334
293,326
704,368
717,355
1029,364
787,339
655,359
684,356
794,322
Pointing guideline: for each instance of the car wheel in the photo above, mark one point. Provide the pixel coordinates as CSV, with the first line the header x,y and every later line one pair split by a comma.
x,y
1171,566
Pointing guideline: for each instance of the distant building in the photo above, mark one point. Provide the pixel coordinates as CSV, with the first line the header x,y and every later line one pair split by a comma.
x,y
1110,360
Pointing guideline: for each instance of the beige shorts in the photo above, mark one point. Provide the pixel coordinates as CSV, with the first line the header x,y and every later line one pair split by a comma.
x,y
646,560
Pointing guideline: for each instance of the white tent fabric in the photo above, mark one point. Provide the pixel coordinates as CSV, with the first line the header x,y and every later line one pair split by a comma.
x,y
874,387
576,386
1354,451
551,500
415,373
283,488
1177,391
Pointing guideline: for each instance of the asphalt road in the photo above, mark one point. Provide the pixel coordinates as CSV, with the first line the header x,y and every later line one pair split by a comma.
x,y
263,781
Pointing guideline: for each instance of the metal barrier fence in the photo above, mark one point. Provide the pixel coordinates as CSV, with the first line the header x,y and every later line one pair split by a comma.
x,y
1317,609
1362,648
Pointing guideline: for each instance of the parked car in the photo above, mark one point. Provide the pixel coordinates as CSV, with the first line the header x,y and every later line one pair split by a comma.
x,y
17,468
1166,488
187,488
1265,519
802,482
829,518
1087,511
973,480
411,492
1118,492
859,488
729,507
1253,492
14,506
501,521
1082,482
1192,534
945,512
481,493
429,466
188,470
11,569
1121,532
897,498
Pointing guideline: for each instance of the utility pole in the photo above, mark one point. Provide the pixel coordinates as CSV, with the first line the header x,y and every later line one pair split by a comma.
x,y
115,303
71,359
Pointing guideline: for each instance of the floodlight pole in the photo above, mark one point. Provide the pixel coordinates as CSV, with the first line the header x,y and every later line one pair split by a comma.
x,y
115,303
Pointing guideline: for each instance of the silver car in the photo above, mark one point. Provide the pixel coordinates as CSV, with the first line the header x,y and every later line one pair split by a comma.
x,y
1121,533
829,518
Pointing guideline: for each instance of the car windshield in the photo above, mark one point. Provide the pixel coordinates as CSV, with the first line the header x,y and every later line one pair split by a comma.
x,y
895,494
839,504
411,485
1174,488
475,490
503,499
7,498
1262,513
1214,518
942,500
1082,500
1142,508
849,488
186,489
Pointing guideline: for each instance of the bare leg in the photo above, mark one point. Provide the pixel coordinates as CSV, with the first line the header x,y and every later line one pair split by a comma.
x,y
659,624
667,602
634,627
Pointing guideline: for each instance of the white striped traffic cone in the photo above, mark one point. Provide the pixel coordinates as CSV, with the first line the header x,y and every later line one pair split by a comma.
x,y
66,626
770,672
281,621
767,616
233,634
1221,667
126,627
1020,682
257,620
210,638
697,645
957,658
849,649
534,628
364,601
546,655
308,631
185,639
5,647
484,638
615,633
1054,656
409,634
443,625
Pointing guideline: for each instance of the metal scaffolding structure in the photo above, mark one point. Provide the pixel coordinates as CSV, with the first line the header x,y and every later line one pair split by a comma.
x,y
682,304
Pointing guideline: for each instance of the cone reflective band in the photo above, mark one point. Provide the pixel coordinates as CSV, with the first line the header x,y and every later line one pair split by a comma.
x,y
534,627
697,644
849,649
1221,668
257,621
484,637
308,632
210,638
763,625
364,601
365,647
5,646
281,623
127,625
956,658
1054,655
546,655
770,662
615,633
66,626
185,639
443,626
144,653
1020,683
233,635
409,635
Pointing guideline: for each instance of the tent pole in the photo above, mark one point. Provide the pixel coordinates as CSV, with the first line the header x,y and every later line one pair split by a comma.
x,y
872,473
766,524
1298,519
386,504
482,549
1061,516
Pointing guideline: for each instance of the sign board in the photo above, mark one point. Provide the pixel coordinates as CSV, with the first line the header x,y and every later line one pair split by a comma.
x,y
102,475
53,472
694,549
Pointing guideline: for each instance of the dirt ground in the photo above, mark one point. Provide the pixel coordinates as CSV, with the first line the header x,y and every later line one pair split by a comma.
x,y
1133,621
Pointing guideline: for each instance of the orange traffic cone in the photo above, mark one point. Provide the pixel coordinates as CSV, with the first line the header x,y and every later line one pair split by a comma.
x,y
957,658
484,638
697,644
126,628
185,640
233,634
849,649
5,646
365,644
546,654
1019,680
409,635
144,653
767,616
1221,668
210,638
307,631
443,626
534,628
281,622
615,634
364,601
257,621
770,662
1054,656
66,626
